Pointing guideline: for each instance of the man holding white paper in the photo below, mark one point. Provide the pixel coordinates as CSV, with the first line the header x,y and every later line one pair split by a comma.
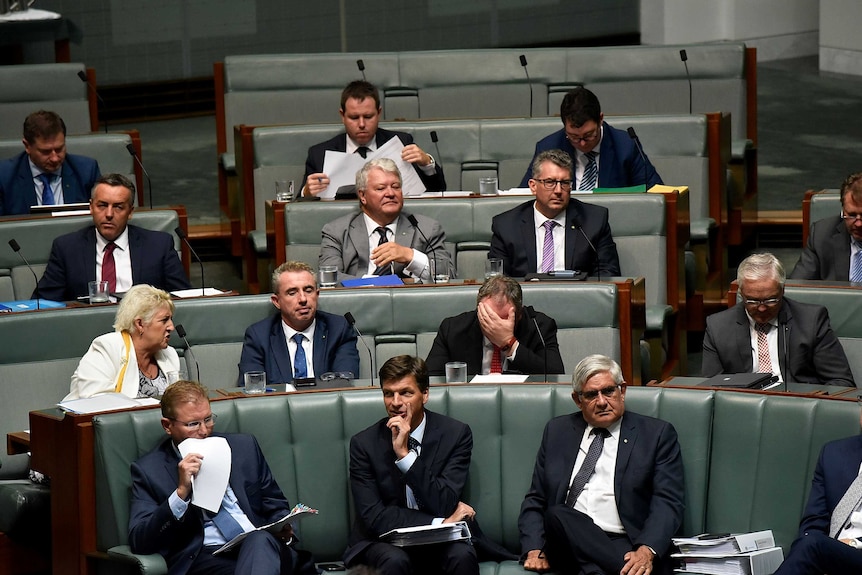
x,y
360,112
166,515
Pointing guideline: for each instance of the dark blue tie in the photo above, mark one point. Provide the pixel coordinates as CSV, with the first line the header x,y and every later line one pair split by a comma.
x,y
299,369
47,192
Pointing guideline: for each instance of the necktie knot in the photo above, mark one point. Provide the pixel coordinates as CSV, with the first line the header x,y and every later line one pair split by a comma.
x,y
381,231
591,155
550,225
298,338
600,432
363,151
110,247
763,328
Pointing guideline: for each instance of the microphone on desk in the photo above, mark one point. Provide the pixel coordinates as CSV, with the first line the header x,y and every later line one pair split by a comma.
x,y
185,238
350,320
523,59
435,139
531,313
684,57
361,65
181,331
83,76
415,223
637,142
17,249
577,223
131,148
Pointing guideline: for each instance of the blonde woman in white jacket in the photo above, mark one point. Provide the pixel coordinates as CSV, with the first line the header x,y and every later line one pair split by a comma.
x,y
135,359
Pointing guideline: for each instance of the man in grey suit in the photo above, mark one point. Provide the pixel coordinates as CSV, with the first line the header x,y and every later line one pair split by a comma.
x,y
835,243
381,239
769,333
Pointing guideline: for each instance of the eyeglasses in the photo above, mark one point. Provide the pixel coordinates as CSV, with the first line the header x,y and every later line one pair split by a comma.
x,y
209,421
762,302
549,184
585,138
851,218
606,392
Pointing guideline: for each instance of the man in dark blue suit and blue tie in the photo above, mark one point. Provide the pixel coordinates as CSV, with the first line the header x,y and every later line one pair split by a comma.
x,y
44,174
603,156
300,341
830,534
607,493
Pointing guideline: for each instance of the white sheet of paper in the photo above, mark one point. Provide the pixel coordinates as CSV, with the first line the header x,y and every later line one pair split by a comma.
x,y
500,378
212,480
341,169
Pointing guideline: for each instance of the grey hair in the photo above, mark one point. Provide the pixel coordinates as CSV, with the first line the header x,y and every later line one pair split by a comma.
x,y
141,301
558,157
760,267
290,267
384,164
592,365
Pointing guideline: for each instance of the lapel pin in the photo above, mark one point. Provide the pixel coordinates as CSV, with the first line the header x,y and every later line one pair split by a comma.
x,y
625,440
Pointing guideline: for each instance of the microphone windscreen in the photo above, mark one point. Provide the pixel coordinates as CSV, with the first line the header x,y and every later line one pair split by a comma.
x,y
181,331
412,219
131,148
14,245
434,136
180,232
361,65
349,317
523,59
82,75
682,55
631,132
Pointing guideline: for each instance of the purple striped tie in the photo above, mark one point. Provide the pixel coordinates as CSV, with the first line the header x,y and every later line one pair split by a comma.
x,y
548,247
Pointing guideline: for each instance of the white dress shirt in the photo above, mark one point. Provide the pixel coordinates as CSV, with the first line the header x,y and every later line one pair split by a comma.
x,y
307,345
597,498
417,268
559,238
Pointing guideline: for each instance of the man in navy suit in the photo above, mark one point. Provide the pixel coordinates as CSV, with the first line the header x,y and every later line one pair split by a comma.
x,y
323,342
406,470
579,238
588,139
607,493
835,243
140,256
360,112
830,534
163,520
45,163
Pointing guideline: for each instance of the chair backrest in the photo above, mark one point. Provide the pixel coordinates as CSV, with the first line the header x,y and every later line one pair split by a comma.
x,y
56,87
819,205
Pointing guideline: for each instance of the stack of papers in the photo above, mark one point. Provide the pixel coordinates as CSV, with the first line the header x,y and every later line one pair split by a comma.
x,y
427,534
276,526
741,554
105,402
727,544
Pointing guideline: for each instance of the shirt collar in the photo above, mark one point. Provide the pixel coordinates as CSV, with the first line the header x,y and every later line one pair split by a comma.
x,y
539,219
352,146
308,332
122,241
371,225
419,433
36,171
613,429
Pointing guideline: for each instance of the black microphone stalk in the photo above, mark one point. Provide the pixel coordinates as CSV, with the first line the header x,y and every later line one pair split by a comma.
x,y
531,313
684,57
349,317
637,141
580,228
17,249
185,238
361,65
83,76
131,148
181,331
523,59
413,222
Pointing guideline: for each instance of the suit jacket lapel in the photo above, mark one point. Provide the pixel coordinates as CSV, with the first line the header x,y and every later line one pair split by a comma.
x,y
136,250
572,234
841,251
579,426
785,316
27,183
476,344
88,255
607,158
625,445
358,235
743,340
278,347
321,333
528,236
431,438
405,235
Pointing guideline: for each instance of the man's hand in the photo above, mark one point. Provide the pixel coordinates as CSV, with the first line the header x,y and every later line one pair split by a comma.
x,y
536,561
638,562
391,252
400,427
315,183
462,513
415,155
498,330
186,470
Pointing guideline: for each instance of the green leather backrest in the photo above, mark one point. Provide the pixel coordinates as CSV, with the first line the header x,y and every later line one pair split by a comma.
x,y
22,91
764,452
305,438
825,205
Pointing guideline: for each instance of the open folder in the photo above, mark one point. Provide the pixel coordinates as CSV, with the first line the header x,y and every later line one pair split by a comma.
x,y
427,534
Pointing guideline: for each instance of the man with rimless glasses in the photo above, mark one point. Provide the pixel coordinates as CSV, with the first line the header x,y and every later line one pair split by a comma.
x,y
607,493
603,156
554,232
163,520
834,248
769,333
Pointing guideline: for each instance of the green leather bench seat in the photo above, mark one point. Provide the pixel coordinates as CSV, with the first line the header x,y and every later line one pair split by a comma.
x,y
23,90
36,235
825,204
507,424
748,458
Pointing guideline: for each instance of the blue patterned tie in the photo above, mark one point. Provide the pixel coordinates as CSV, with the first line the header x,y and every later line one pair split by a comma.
x,y
300,370
47,192
591,172
226,523
856,272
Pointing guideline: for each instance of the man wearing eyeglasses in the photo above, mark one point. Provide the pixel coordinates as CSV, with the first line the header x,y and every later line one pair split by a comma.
x,y
604,157
834,248
163,520
554,232
607,493
769,333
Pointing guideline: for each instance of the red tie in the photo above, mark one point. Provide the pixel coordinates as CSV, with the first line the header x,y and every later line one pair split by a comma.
x,y
109,268
496,361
